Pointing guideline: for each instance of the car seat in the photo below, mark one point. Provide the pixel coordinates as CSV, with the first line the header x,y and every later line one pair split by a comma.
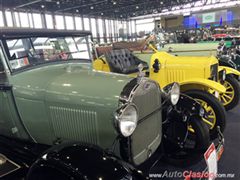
x,y
124,62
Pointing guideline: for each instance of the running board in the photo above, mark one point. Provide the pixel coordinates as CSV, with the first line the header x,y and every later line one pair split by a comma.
x,y
7,166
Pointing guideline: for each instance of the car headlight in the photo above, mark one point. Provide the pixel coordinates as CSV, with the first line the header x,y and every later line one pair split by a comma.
x,y
172,91
224,75
175,93
127,120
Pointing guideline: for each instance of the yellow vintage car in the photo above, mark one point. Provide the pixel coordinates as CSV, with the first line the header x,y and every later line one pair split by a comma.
x,y
229,100
198,78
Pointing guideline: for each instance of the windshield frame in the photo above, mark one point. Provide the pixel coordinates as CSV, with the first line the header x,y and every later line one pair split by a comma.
x,y
7,54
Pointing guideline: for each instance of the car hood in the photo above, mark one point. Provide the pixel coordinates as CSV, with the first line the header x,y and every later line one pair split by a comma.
x,y
69,83
68,102
185,61
188,47
198,61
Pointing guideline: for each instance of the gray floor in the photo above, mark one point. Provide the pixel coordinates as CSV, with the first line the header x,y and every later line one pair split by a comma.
x,y
230,161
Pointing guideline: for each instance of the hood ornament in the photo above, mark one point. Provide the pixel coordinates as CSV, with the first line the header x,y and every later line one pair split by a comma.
x,y
141,73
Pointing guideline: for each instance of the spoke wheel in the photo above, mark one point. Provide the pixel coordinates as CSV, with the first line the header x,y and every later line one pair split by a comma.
x,y
215,112
211,118
230,98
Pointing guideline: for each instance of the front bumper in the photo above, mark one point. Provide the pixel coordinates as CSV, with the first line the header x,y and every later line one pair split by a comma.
x,y
219,145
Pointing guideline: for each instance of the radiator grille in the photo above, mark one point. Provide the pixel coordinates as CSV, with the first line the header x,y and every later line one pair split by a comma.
x,y
147,99
214,72
175,75
75,124
147,136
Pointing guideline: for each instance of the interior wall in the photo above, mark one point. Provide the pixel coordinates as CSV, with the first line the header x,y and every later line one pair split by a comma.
x,y
178,21
171,22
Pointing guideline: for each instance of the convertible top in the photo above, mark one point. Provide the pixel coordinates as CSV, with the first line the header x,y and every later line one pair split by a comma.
x,y
24,32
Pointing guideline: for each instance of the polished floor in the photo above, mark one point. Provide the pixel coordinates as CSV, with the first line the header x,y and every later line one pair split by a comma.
x,y
230,162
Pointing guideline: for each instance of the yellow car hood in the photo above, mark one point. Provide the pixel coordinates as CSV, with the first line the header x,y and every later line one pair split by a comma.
x,y
186,60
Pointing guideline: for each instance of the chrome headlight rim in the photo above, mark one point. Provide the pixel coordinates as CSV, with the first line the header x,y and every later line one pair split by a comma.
x,y
224,74
172,91
119,119
175,93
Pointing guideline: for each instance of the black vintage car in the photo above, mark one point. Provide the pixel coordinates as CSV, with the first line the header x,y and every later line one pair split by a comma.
x,y
229,56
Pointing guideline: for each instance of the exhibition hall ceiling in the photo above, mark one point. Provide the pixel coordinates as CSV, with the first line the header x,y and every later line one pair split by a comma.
x,y
105,8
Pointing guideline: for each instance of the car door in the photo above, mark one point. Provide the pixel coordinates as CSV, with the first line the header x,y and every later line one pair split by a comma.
x,y
10,122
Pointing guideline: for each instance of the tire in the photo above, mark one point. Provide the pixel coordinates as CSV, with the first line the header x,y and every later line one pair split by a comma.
x,y
202,134
186,157
47,173
216,107
231,83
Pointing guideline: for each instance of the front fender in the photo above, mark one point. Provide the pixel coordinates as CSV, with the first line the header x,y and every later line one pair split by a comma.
x,y
204,83
229,70
79,160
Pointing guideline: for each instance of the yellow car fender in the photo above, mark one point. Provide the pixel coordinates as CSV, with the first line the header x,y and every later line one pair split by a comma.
x,y
229,70
204,83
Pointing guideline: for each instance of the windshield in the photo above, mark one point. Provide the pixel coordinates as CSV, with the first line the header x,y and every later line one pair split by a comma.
x,y
26,52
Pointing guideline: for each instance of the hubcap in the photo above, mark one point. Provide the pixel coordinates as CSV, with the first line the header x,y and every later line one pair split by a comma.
x,y
210,119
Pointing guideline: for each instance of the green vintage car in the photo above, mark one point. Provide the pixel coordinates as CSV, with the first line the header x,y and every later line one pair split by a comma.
x,y
66,121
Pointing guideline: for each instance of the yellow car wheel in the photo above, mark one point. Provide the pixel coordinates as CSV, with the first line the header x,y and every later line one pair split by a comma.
x,y
211,119
215,113
230,99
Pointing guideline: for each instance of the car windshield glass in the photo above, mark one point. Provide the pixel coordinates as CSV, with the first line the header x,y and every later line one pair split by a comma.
x,y
25,52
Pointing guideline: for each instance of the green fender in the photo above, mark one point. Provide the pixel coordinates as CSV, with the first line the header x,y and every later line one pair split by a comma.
x,y
204,83
229,70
